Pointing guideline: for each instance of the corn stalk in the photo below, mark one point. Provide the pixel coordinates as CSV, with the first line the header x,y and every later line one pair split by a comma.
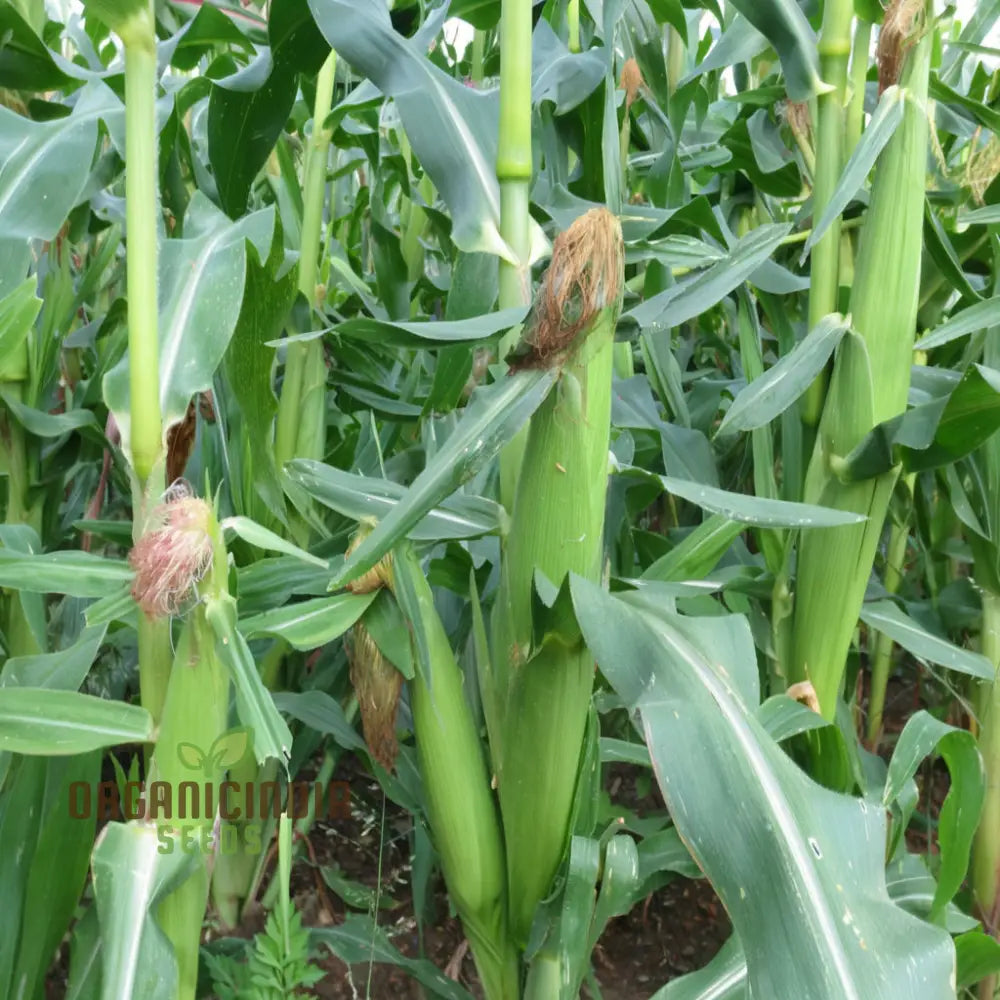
x,y
136,27
300,429
834,565
514,176
986,848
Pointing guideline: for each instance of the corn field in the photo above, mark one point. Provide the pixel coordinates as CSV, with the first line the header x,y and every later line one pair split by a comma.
x,y
554,445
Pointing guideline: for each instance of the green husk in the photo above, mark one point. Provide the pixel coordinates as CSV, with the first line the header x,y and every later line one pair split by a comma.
x,y
557,528
869,384
460,806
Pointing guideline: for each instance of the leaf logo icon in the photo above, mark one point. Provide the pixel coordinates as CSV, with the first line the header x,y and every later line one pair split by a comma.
x,y
227,750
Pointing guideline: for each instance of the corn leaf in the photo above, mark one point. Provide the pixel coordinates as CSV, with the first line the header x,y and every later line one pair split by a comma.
x,y
309,624
886,617
52,722
818,889
493,416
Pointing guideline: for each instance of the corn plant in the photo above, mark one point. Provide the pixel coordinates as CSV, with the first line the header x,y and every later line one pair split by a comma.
x,y
619,388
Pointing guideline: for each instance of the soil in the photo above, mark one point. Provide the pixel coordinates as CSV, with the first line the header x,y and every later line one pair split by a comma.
x,y
677,929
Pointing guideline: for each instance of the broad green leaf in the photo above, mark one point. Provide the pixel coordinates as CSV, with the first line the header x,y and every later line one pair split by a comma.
x,y
360,497
452,128
310,624
976,317
44,165
739,43
558,75
48,425
698,554
978,111
65,669
79,574
268,583
799,868
320,712
119,605
978,956
586,908
724,978
874,139
783,717
52,722
254,704
56,864
695,295
18,310
201,289
23,540
912,886
492,417
360,941
85,952
749,509
267,301
886,617
785,26
932,434
263,538
248,110
783,383
475,330
25,62
987,215
387,626
960,811
135,866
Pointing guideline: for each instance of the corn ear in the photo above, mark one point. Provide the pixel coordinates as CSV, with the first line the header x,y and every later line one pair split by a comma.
x,y
557,528
869,385
460,804
195,713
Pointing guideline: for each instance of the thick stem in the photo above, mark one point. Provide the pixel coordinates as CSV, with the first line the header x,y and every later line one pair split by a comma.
x,y
675,59
883,645
20,639
514,149
478,45
986,850
544,977
834,52
573,21
514,175
141,210
859,74
295,427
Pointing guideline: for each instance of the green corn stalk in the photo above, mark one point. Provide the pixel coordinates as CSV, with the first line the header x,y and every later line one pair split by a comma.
x,y
514,176
460,804
300,429
21,308
557,528
882,660
859,74
135,23
985,874
834,53
986,848
834,564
